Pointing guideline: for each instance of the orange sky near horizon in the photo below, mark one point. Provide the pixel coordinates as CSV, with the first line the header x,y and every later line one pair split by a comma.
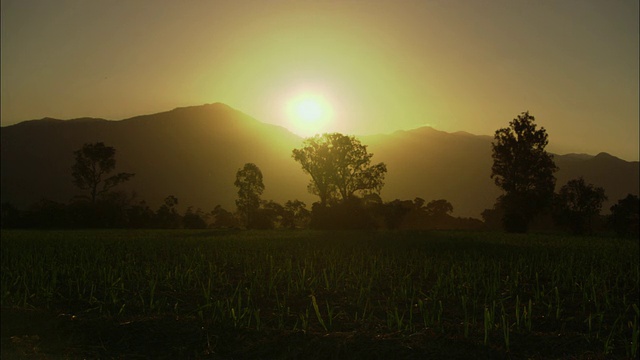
x,y
382,66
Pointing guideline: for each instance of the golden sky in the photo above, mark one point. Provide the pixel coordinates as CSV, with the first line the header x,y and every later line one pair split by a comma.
x,y
380,66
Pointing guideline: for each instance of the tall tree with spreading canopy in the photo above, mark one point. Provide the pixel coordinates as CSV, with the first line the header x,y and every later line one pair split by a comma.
x,y
339,166
93,163
250,188
524,171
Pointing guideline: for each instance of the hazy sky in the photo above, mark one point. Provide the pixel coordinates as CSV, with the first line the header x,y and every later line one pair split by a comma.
x,y
380,65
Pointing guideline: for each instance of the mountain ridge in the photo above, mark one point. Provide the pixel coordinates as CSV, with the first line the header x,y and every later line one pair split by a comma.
x,y
424,128
193,153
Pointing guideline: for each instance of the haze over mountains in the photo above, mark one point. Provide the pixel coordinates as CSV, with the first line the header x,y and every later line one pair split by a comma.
x,y
193,153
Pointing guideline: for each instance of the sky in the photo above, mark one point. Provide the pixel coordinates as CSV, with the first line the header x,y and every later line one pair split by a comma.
x,y
366,67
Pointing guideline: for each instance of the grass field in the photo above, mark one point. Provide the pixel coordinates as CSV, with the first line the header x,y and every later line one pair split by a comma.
x,y
317,295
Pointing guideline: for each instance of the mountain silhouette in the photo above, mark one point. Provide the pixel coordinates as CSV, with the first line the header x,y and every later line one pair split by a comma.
x,y
194,152
433,164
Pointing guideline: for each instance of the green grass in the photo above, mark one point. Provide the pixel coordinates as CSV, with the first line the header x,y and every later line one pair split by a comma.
x,y
317,295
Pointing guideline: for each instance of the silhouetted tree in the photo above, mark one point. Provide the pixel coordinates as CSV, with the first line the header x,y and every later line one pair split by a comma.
x,y
111,209
167,216
394,212
349,214
271,215
250,188
223,219
524,170
625,216
193,219
577,204
339,165
439,208
493,217
140,215
93,163
295,215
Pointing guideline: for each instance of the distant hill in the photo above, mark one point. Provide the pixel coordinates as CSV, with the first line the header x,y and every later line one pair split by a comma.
x,y
433,164
194,152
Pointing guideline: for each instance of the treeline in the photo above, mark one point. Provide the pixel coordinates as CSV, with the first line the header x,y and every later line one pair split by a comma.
x,y
121,210
348,186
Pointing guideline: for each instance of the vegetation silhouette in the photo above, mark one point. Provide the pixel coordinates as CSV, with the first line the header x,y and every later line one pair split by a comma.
x,y
577,205
347,183
93,163
414,214
167,215
523,170
339,166
193,153
625,216
296,215
250,188
340,169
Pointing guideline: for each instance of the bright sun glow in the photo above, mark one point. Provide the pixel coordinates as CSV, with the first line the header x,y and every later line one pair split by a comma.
x,y
309,114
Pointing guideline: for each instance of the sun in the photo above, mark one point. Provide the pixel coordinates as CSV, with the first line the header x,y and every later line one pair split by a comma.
x,y
308,110
309,114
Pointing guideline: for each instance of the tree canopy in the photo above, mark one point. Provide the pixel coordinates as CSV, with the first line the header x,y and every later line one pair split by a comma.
x,y
524,170
625,216
250,188
578,203
93,163
439,208
339,166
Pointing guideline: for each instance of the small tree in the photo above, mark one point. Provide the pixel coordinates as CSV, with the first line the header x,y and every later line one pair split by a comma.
x,y
250,188
93,163
523,170
578,203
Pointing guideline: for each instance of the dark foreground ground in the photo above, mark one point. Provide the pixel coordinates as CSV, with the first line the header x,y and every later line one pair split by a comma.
x,y
252,295
41,335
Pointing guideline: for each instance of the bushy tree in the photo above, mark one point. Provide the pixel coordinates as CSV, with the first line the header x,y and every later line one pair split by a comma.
x,y
167,216
296,215
194,219
250,188
339,166
523,170
140,215
577,204
624,217
349,214
394,212
439,208
94,162
223,219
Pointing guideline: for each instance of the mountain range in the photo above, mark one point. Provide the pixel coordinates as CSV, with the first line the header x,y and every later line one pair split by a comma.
x,y
193,153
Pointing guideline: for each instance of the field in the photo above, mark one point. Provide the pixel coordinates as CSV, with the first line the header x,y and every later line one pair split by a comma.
x,y
317,295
